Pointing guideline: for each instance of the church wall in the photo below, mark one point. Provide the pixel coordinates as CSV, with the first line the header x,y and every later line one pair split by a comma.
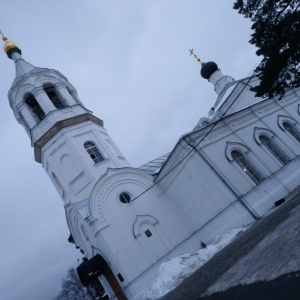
x,y
193,178
72,165
204,198
215,152
117,219
68,167
274,186
174,216
98,135
290,175
198,196
257,152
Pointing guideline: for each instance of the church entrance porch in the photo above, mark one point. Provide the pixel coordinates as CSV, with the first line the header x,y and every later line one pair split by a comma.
x,y
88,273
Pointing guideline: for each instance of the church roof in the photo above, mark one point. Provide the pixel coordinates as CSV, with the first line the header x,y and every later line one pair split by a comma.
x,y
154,166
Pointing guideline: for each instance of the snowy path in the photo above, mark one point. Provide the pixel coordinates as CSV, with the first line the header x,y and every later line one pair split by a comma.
x,y
242,259
278,253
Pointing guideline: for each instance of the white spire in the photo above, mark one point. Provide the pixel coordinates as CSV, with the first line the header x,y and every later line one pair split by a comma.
x,y
22,66
14,52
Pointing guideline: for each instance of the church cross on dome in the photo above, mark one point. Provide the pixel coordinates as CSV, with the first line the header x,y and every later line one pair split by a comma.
x,y
4,38
197,58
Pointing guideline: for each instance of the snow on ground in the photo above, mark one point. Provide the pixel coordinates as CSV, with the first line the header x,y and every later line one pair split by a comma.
x,y
277,254
173,271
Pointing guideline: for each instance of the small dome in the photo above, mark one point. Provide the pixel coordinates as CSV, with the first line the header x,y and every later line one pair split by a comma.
x,y
208,69
9,46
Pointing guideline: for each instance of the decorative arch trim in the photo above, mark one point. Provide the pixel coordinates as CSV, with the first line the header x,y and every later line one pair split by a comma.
x,y
142,219
281,119
259,131
109,184
47,79
230,146
73,219
22,91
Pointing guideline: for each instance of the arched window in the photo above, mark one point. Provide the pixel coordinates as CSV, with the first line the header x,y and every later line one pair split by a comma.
x,y
35,107
52,94
274,149
93,151
246,166
291,128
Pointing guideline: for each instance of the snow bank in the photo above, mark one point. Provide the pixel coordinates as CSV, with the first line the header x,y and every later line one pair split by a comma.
x,y
173,271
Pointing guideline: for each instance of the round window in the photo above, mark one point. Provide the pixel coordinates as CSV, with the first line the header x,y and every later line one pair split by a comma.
x,y
124,197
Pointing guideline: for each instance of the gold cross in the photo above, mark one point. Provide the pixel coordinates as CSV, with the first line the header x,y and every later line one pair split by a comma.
x,y
4,38
198,59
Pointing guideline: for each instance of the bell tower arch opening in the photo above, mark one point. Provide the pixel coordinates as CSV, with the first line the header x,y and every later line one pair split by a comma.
x,y
53,96
34,106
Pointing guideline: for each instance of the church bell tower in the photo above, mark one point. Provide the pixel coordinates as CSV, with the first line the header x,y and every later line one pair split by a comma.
x,y
68,140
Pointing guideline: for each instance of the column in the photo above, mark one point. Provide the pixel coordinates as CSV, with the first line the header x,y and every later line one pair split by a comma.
x,y
63,91
43,100
28,117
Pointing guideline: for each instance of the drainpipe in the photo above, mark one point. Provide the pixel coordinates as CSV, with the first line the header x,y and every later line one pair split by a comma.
x,y
250,210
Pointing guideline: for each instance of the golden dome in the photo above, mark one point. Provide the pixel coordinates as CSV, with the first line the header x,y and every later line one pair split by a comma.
x,y
9,45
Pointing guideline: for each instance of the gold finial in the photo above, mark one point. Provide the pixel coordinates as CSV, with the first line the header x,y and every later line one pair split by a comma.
x,y
198,59
4,38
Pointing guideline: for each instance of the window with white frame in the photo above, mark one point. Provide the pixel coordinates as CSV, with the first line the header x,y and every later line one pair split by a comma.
x,y
292,129
246,165
271,145
93,151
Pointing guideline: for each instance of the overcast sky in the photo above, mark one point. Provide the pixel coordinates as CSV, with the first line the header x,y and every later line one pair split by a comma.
x,y
130,63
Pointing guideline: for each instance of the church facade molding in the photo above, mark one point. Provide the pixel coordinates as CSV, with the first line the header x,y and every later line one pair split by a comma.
x,y
283,118
231,146
258,131
141,219
112,184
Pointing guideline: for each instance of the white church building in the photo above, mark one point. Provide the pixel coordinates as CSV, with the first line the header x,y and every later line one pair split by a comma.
x,y
235,165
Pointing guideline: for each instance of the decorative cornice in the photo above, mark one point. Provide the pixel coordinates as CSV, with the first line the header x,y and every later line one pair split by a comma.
x,y
81,134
